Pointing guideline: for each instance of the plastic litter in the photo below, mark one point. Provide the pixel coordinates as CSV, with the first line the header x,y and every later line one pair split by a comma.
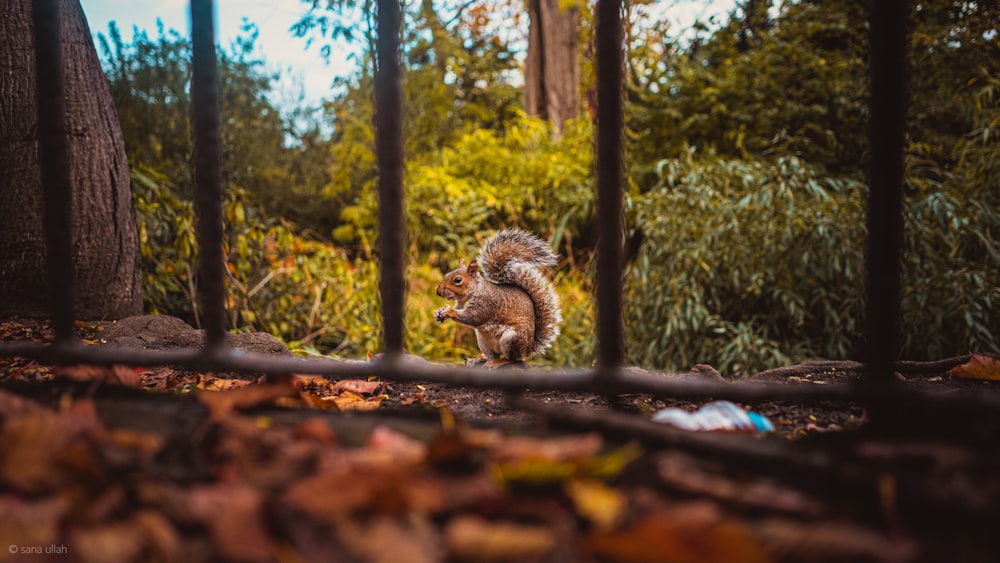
x,y
717,416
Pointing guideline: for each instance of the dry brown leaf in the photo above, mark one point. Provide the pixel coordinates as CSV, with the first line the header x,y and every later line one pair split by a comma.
x,y
563,448
684,473
404,449
359,386
419,397
30,523
15,405
116,374
316,430
301,381
471,538
979,366
213,383
44,449
222,403
386,489
351,401
691,533
390,540
111,543
233,513
163,540
830,541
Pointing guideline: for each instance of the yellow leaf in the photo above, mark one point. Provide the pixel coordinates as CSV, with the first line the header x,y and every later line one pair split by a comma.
x,y
596,502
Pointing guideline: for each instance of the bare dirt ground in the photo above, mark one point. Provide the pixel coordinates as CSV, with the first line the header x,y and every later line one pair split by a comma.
x,y
132,464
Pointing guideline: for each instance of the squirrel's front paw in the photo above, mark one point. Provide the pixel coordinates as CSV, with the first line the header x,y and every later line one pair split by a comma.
x,y
441,314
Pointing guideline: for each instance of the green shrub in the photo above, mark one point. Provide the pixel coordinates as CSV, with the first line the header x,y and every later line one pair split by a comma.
x,y
458,195
745,265
752,264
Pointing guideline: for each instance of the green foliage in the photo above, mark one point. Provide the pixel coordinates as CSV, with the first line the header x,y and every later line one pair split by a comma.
x,y
305,292
951,301
484,181
751,264
791,86
264,150
745,265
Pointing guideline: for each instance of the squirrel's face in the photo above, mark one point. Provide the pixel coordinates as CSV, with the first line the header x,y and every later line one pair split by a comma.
x,y
456,283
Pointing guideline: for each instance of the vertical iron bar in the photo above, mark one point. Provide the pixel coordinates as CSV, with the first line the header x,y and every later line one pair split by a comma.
x,y
205,107
389,145
53,163
610,345
888,35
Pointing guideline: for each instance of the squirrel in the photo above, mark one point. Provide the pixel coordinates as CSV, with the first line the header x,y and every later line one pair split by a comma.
x,y
505,297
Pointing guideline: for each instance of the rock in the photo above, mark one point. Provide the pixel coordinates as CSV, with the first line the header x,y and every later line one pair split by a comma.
x,y
163,332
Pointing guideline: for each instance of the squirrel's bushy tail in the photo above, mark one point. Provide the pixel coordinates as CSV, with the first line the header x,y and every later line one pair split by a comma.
x,y
513,256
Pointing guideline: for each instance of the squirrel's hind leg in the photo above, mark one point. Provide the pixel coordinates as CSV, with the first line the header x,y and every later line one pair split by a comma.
x,y
504,363
477,361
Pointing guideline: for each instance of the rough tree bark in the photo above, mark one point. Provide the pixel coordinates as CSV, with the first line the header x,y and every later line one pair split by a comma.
x,y
552,69
104,236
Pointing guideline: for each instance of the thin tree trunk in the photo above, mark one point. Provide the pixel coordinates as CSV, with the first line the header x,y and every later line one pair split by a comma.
x,y
552,69
104,236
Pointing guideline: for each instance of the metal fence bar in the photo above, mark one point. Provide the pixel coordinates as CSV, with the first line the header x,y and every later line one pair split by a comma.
x,y
205,108
53,162
389,145
608,38
887,35
581,380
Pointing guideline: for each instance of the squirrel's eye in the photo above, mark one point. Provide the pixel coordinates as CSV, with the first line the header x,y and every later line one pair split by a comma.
x,y
458,279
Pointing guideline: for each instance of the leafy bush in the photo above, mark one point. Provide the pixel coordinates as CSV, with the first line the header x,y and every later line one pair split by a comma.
x,y
745,265
459,194
752,264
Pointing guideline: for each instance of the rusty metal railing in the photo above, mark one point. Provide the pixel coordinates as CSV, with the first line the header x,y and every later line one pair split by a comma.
x,y
609,376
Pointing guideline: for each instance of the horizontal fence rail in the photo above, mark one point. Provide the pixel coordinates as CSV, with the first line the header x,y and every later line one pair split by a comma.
x,y
609,377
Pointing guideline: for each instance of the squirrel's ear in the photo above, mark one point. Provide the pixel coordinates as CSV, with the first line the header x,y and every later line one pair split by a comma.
x,y
473,267
461,263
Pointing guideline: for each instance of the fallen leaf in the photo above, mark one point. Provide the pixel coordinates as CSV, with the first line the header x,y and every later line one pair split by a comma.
x,y
564,448
684,473
374,486
234,515
691,533
301,381
403,448
44,449
163,540
597,502
351,401
35,522
12,405
116,374
830,541
222,403
388,540
317,430
213,383
359,386
979,366
115,542
471,538
418,397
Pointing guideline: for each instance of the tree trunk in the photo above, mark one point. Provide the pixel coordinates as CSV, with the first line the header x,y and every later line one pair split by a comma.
x,y
104,235
552,69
